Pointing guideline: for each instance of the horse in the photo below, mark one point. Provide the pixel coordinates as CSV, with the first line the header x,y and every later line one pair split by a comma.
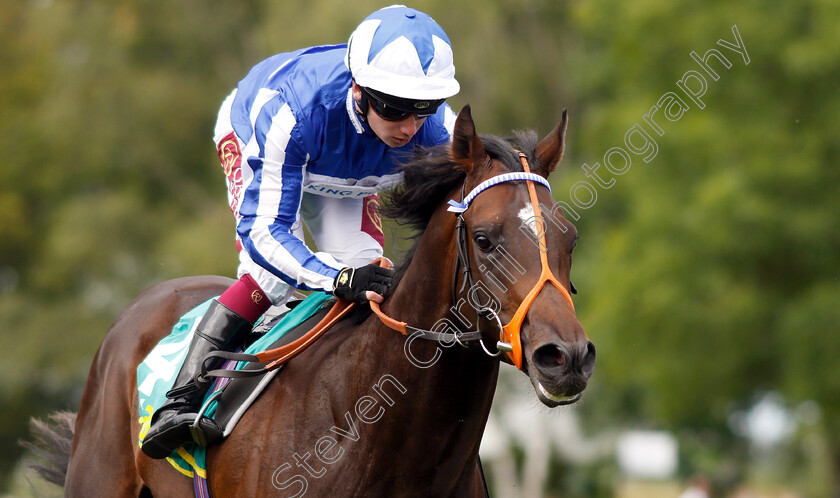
x,y
367,411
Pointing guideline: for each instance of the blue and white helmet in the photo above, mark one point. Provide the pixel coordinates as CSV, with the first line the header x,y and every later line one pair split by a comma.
x,y
402,52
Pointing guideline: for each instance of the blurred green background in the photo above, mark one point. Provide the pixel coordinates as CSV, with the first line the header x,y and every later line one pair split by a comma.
x,y
708,276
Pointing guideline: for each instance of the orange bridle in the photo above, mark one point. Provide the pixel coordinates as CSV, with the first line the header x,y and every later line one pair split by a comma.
x,y
510,341
510,333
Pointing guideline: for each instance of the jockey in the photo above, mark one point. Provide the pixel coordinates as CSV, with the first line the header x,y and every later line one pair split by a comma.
x,y
310,137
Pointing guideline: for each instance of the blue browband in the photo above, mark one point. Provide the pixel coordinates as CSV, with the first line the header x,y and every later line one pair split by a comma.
x,y
457,207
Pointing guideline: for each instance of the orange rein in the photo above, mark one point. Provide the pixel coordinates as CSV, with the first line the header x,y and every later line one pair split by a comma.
x,y
510,333
283,354
278,356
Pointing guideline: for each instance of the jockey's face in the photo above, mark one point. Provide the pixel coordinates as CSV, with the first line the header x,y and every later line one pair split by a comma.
x,y
393,133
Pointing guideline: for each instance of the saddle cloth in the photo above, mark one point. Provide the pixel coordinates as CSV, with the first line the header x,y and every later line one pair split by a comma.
x,y
227,399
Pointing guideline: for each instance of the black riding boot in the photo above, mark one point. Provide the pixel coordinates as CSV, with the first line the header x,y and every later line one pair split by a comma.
x,y
219,329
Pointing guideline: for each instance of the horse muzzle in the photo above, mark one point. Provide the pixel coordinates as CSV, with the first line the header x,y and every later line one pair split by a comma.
x,y
560,371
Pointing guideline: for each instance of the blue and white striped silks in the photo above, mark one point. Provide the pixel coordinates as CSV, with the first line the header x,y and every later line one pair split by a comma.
x,y
294,116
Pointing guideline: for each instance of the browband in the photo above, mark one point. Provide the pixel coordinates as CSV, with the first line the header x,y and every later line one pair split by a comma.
x,y
460,207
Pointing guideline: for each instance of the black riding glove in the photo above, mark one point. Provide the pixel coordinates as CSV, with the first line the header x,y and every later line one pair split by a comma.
x,y
351,283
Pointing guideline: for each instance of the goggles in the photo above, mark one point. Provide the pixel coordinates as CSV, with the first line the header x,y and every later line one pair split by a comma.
x,y
392,108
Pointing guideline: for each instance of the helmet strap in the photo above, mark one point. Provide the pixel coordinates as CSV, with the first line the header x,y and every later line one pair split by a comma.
x,y
364,104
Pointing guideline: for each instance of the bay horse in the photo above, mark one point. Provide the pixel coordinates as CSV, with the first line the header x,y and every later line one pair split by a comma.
x,y
367,411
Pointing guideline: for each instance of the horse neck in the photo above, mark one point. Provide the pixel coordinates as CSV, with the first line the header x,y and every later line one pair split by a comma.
x,y
458,387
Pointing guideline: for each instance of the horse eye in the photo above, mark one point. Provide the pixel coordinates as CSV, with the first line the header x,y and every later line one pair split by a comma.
x,y
483,242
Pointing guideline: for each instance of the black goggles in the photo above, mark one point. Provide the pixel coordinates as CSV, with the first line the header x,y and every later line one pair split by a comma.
x,y
392,108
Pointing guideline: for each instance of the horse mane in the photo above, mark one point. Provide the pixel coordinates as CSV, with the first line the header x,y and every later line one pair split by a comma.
x,y
431,175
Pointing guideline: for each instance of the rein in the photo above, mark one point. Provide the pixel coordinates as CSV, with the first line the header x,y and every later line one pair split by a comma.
x,y
277,357
510,341
408,330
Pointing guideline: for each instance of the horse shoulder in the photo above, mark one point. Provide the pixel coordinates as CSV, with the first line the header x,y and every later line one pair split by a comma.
x,y
279,445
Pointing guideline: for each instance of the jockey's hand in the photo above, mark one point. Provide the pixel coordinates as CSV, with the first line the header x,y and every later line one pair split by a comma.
x,y
366,283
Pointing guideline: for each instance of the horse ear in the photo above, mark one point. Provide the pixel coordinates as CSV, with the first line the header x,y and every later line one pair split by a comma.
x,y
550,149
467,150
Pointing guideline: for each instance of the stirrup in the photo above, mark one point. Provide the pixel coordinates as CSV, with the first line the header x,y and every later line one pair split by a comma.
x,y
199,433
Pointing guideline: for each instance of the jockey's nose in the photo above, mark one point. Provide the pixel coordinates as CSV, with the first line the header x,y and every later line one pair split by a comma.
x,y
410,124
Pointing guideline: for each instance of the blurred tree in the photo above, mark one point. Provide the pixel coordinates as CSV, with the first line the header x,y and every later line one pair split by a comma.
x,y
707,276
710,274
106,118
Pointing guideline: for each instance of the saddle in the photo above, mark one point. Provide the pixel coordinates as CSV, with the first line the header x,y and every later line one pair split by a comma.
x,y
281,334
235,395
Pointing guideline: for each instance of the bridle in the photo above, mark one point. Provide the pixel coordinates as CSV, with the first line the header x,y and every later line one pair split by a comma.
x,y
510,335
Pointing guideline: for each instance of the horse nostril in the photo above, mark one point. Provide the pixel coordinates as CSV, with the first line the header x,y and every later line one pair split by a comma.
x,y
588,359
549,357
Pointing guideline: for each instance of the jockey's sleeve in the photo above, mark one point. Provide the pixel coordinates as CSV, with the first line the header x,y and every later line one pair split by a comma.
x,y
271,203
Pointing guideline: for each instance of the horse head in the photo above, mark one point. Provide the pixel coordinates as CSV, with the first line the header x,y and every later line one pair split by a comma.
x,y
515,254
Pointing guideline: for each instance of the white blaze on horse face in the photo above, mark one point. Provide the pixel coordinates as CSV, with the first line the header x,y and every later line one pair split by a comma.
x,y
526,214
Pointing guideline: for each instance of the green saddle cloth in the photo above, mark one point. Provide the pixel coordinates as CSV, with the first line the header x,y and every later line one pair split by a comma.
x,y
156,374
